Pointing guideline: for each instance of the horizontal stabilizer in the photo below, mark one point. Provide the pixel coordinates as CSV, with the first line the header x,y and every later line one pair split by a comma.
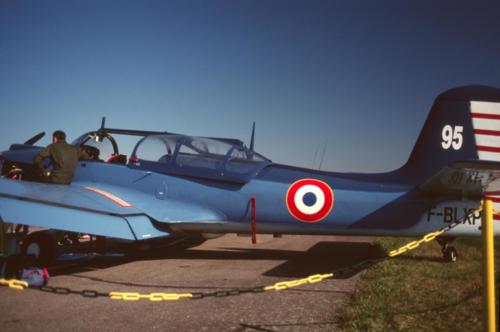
x,y
474,178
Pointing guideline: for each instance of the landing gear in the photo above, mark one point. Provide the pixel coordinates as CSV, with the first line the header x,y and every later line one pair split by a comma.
x,y
450,254
41,246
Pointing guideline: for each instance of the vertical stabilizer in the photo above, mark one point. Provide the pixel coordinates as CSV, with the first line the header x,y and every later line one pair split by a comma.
x,y
464,124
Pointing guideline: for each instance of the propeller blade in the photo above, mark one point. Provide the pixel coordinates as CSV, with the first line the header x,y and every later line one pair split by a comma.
x,y
35,138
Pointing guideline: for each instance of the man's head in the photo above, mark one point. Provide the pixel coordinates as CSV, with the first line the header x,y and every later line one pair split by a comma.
x,y
58,136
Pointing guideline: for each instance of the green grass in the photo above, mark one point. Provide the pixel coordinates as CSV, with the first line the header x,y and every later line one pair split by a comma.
x,y
418,291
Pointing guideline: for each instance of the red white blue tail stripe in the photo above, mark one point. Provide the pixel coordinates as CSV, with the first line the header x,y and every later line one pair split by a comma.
x,y
486,123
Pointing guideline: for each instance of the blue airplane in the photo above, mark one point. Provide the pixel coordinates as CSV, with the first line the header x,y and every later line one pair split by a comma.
x,y
182,188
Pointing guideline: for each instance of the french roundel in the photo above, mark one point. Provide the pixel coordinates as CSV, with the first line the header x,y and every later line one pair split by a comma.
x,y
309,200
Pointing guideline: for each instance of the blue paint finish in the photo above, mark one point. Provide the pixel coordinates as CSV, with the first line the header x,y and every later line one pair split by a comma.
x,y
72,196
144,229
141,192
396,212
56,217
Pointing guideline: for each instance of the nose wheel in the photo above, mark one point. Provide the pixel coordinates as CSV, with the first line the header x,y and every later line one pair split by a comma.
x,y
450,254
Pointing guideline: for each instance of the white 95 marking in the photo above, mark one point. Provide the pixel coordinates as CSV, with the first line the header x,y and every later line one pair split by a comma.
x,y
452,137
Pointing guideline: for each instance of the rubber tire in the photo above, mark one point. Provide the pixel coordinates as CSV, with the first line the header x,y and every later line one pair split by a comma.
x,y
46,247
450,254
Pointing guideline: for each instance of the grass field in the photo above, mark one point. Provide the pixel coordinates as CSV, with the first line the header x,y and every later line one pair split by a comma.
x,y
418,291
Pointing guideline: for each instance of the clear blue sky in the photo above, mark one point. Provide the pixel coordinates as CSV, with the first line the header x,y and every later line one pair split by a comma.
x,y
360,74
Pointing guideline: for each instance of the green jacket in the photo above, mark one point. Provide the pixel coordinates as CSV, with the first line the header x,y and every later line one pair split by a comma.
x,y
64,158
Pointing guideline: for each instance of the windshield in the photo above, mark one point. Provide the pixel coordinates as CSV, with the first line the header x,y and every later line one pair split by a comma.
x,y
155,148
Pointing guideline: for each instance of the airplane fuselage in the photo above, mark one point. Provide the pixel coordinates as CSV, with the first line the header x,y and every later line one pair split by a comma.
x,y
359,206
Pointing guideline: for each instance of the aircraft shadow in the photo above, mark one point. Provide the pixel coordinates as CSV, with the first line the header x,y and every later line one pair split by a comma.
x,y
324,257
327,257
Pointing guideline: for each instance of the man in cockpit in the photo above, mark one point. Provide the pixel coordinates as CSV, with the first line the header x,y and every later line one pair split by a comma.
x,y
64,158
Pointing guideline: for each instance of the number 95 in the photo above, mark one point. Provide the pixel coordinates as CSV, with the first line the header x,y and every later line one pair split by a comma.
x,y
452,137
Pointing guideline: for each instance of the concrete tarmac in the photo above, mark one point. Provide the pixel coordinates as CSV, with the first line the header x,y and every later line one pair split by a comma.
x,y
220,264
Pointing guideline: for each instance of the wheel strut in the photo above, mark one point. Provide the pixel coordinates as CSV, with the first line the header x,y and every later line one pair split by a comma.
x,y
450,254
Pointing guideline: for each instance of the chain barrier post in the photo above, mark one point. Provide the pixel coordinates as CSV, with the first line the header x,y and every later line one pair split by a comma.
x,y
253,203
488,269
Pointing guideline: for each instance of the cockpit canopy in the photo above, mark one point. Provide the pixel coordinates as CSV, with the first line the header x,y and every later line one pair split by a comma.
x,y
198,157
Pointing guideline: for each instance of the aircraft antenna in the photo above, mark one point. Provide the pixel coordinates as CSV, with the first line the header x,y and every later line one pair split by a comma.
x,y
103,122
252,139
315,156
323,155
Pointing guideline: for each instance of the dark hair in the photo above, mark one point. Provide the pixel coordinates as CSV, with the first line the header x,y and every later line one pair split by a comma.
x,y
59,134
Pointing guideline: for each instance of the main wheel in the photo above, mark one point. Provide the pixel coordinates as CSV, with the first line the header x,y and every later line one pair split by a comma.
x,y
41,246
450,254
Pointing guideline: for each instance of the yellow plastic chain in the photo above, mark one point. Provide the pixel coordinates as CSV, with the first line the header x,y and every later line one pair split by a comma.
x,y
427,238
279,286
14,283
155,297
414,244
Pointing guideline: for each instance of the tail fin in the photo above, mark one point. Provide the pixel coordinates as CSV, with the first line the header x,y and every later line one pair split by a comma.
x,y
464,124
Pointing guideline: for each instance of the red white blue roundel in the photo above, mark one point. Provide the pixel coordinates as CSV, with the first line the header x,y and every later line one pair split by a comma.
x,y
309,200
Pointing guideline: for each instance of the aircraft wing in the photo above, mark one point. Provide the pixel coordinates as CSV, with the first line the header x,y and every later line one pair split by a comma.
x,y
95,208
471,179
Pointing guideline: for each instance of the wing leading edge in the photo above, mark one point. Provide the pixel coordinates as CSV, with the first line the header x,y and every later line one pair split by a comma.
x,y
94,208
